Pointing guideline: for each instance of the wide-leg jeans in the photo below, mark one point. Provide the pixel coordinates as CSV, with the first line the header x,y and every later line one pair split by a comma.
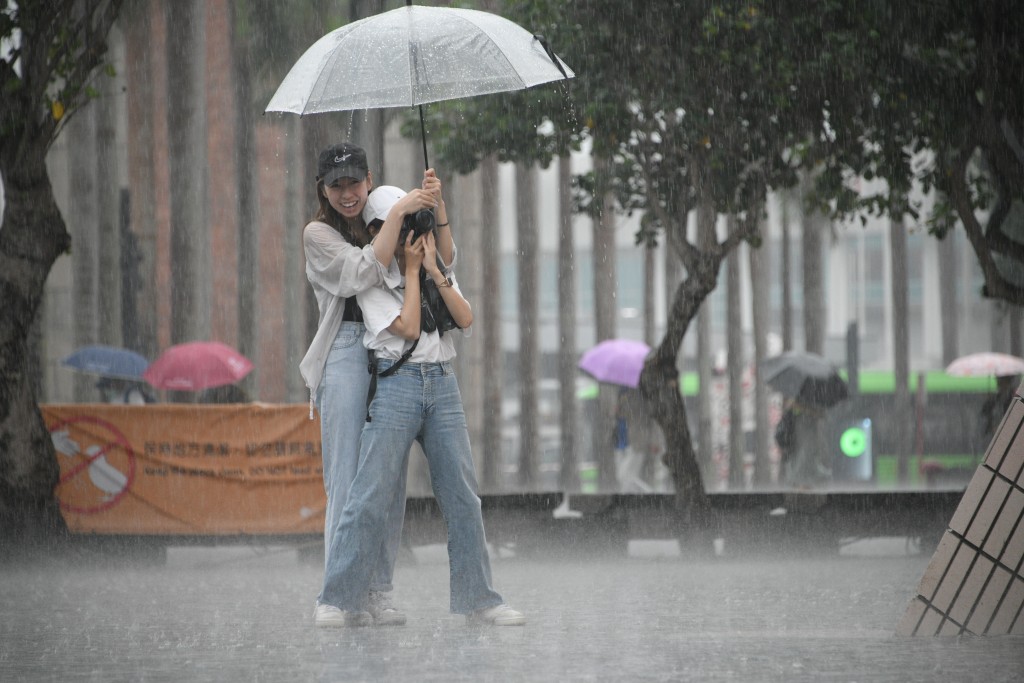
x,y
341,402
420,401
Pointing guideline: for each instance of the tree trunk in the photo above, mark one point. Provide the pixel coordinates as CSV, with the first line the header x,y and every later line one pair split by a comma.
x,y
295,282
490,326
706,219
140,77
32,236
659,387
190,311
605,309
567,355
1015,347
736,365
786,273
650,260
529,329
901,347
814,307
81,135
949,309
108,192
759,289
249,221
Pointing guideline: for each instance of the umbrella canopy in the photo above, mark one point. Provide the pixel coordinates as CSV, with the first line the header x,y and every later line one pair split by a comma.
x,y
197,365
616,361
414,55
807,377
107,361
986,364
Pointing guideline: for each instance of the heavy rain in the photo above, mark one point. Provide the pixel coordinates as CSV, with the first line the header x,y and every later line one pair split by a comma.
x,y
741,384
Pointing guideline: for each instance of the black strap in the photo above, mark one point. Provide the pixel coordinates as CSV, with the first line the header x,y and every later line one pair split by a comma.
x,y
374,373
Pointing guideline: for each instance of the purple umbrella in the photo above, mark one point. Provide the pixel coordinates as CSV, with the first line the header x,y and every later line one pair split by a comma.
x,y
616,361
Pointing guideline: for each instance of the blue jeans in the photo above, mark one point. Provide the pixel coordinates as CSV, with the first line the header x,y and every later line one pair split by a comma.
x,y
420,401
341,400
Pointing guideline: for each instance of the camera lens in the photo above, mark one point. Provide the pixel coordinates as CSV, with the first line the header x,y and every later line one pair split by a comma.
x,y
424,221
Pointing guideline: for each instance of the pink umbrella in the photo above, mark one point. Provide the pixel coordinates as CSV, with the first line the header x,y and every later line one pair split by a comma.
x,y
986,364
616,361
197,365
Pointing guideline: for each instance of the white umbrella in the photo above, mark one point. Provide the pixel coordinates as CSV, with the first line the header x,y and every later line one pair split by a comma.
x,y
414,55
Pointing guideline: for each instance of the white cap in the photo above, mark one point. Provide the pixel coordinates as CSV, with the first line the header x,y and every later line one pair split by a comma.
x,y
380,201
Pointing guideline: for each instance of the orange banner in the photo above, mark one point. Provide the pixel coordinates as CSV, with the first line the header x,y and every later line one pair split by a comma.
x,y
188,469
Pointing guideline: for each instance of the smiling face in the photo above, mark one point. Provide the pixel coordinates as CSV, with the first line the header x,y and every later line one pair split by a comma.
x,y
348,196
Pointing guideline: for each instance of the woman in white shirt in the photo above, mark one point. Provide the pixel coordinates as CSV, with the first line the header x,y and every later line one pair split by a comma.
x,y
341,261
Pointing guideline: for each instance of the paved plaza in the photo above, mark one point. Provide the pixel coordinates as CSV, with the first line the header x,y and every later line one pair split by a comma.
x,y
243,613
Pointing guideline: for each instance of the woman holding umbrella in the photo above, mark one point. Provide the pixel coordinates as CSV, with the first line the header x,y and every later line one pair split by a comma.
x,y
341,262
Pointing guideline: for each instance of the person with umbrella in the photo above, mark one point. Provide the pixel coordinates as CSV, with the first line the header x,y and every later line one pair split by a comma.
x,y
802,443
341,262
416,397
811,385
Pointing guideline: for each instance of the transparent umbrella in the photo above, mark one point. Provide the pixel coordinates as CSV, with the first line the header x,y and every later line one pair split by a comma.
x,y
414,55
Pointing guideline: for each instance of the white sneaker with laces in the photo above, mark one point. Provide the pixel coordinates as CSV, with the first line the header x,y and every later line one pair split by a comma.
x,y
329,616
382,611
499,615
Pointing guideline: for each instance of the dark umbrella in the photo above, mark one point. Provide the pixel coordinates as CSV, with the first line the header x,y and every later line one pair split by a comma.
x,y
806,377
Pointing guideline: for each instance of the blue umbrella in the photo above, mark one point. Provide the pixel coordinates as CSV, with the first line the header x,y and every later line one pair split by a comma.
x,y
107,361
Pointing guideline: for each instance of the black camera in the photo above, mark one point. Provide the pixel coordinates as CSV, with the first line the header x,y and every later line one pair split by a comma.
x,y
419,223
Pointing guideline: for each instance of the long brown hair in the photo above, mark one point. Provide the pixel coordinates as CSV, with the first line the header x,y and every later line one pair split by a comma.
x,y
353,231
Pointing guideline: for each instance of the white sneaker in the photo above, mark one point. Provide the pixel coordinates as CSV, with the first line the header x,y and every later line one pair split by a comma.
x,y
382,611
329,616
499,615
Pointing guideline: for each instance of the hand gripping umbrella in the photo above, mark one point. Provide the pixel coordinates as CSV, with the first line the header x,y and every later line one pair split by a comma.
x,y
414,55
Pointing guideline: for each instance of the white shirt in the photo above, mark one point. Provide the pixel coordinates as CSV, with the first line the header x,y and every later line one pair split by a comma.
x,y
381,306
337,270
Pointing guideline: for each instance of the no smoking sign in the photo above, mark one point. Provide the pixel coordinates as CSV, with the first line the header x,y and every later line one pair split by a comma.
x,y
97,464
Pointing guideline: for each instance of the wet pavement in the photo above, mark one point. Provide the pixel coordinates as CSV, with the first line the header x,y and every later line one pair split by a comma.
x,y
244,614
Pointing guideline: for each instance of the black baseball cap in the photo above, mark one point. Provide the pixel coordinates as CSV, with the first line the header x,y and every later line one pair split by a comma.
x,y
344,160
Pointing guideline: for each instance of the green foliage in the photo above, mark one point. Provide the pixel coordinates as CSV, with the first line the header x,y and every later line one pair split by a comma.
x,y
933,99
682,98
729,98
54,51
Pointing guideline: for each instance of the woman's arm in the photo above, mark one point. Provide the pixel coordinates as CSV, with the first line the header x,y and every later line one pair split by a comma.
x,y
445,241
336,265
457,305
407,324
386,240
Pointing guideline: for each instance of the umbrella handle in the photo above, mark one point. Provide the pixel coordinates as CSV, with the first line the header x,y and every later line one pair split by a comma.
x,y
423,136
